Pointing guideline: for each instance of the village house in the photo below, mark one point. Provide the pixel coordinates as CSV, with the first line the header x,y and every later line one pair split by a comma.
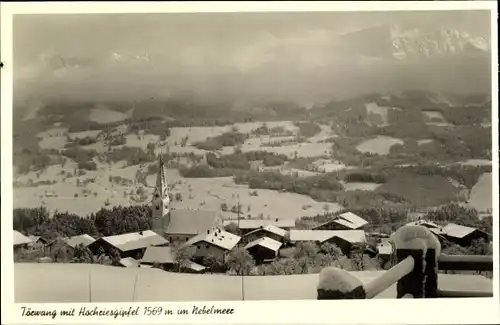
x,y
346,240
269,231
263,249
248,225
344,221
462,235
128,245
216,243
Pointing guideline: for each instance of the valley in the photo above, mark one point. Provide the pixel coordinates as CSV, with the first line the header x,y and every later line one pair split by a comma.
x,y
86,156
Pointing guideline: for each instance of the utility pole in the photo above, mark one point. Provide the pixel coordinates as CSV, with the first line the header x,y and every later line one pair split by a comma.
x,y
241,260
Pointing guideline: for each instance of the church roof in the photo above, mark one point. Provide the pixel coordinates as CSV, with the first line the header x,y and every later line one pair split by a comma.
x,y
190,222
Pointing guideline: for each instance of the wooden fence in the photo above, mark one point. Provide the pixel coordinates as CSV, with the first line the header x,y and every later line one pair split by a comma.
x,y
419,260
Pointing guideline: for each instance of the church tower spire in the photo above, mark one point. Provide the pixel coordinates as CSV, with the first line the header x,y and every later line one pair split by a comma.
x,y
160,201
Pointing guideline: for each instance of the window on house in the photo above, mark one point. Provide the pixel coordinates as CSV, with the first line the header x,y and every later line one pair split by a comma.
x,y
206,246
157,196
187,239
157,207
198,246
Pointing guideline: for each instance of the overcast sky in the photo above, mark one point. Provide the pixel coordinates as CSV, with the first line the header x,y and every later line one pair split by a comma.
x,y
160,54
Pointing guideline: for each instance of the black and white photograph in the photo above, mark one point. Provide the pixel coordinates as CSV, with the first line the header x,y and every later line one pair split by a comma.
x,y
252,156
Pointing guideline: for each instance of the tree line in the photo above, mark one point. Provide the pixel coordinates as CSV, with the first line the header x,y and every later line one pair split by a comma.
x,y
105,222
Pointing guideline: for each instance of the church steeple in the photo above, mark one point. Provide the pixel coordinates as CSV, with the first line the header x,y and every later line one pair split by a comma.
x,y
160,201
161,179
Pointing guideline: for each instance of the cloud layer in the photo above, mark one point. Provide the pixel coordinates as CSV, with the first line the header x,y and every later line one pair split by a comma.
x,y
296,57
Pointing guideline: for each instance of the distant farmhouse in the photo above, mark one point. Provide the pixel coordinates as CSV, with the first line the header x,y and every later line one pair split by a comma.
x,y
458,234
463,235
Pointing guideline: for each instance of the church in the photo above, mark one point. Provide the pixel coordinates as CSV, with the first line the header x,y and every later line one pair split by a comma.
x,y
178,225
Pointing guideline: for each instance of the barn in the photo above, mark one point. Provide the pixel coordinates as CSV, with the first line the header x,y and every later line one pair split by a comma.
x,y
263,249
128,245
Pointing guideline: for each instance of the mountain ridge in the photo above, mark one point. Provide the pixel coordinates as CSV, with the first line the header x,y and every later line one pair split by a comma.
x,y
413,42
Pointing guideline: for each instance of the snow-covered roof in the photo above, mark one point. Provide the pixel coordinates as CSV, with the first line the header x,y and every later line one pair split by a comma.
x,y
81,239
217,237
270,228
129,262
135,240
354,221
348,220
457,231
162,255
266,242
20,239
